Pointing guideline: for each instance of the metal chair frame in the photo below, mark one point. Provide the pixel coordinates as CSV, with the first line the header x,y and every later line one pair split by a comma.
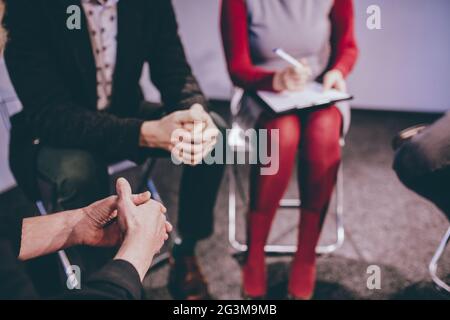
x,y
433,266
276,249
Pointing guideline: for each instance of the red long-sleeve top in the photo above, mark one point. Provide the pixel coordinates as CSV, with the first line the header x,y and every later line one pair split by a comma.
x,y
235,39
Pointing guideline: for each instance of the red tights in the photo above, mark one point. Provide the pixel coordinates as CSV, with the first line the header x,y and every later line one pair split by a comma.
x,y
316,134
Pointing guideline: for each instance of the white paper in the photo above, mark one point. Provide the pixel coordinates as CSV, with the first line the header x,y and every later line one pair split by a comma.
x,y
312,95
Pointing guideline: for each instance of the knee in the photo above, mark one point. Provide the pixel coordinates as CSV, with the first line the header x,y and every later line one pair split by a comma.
x,y
411,163
79,174
287,131
328,120
322,135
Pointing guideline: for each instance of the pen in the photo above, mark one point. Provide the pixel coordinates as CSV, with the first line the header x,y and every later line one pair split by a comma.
x,y
288,58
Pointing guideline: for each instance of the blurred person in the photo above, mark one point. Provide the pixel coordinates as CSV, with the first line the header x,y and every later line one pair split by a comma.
x,y
135,222
321,35
423,163
83,110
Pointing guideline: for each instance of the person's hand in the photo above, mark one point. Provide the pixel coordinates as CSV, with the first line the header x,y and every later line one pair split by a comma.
x,y
195,140
334,79
292,78
96,226
189,135
145,228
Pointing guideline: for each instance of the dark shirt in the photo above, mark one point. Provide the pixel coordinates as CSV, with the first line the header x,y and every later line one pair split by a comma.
x,y
118,280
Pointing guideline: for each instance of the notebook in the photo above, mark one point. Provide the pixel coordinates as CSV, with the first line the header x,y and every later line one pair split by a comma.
x,y
312,96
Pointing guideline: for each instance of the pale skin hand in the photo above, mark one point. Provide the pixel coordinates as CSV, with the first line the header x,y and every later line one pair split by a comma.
x,y
145,229
192,132
334,79
86,226
292,78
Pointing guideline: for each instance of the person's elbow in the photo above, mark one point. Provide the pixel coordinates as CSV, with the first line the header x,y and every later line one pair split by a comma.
x,y
238,76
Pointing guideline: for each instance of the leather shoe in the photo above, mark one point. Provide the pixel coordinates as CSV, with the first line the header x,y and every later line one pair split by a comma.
x,y
186,280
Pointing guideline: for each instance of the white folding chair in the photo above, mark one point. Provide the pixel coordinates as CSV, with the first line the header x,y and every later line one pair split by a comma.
x,y
237,144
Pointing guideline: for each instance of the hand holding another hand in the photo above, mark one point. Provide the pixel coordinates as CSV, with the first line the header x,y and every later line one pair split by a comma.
x,y
96,226
189,134
145,228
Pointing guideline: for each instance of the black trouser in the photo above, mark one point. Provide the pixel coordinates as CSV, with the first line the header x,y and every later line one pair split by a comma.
x,y
80,178
423,163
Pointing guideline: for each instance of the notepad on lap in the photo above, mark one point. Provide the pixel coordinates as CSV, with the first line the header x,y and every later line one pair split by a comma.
x,y
312,96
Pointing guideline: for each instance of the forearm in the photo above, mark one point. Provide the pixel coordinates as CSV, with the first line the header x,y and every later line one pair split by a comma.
x,y
106,134
48,234
118,280
138,254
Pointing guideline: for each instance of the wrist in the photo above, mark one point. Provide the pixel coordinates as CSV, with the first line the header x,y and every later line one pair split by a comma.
x,y
338,71
147,136
278,83
72,223
136,253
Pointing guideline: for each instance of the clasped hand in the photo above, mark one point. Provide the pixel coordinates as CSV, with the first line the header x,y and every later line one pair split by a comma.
x,y
189,134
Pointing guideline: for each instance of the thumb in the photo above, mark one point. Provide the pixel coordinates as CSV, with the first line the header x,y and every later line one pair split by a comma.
x,y
327,83
191,115
199,113
124,193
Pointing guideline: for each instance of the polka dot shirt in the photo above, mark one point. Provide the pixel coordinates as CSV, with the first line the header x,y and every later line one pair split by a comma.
x,y
102,22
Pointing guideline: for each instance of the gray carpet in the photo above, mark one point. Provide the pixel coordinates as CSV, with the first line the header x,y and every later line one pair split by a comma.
x,y
386,225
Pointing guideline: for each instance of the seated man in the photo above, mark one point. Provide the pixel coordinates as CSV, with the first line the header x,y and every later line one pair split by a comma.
x,y
423,163
79,86
139,221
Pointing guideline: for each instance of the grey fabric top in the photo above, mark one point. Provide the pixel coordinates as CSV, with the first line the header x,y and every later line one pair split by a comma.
x,y
301,27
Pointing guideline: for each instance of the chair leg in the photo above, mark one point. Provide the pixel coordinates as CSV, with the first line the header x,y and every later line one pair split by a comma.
x,y
72,281
289,204
232,205
433,266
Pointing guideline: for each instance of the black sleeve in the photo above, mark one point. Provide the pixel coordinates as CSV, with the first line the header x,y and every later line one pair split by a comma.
x,y
118,280
48,104
14,281
170,70
11,231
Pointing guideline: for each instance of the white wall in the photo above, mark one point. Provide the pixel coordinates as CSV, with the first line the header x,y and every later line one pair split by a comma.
x,y
406,65
199,29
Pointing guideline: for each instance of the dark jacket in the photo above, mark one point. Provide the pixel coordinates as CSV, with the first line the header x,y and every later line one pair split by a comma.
x,y
53,71
118,280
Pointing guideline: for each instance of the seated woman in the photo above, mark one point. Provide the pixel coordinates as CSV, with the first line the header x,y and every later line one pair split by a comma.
x,y
320,34
140,222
